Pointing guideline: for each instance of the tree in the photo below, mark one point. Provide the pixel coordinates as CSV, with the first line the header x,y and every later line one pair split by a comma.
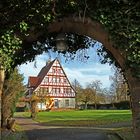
x,y
13,89
108,95
39,96
96,89
112,94
119,86
77,87
101,96
10,44
86,96
33,103
116,24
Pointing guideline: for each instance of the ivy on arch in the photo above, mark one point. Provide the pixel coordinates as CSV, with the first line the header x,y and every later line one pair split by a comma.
x,y
26,22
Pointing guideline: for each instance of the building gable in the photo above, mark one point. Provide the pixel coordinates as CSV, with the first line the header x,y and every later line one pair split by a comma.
x,y
52,83
54,80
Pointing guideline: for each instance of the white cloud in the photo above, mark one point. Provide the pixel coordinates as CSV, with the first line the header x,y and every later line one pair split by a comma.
x,y
95,68
29,69
84,73
85,78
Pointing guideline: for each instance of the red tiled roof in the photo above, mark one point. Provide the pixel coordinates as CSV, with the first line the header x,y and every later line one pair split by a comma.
x,y
35,81
45,70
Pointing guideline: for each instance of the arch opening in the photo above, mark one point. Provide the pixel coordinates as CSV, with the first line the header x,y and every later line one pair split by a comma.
x,y
96,31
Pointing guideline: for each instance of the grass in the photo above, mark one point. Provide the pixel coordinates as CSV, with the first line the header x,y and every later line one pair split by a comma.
x,y
17,135
87,118
83,118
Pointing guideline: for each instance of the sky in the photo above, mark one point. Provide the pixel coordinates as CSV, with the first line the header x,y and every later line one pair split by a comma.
x,y
80,69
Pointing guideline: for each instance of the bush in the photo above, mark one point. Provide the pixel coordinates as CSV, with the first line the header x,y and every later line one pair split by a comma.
x,y
120,105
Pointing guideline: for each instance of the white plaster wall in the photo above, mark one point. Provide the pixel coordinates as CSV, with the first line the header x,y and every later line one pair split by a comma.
x,y
62,102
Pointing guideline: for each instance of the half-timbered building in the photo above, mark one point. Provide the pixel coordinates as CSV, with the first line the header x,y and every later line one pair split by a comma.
x,y
52,87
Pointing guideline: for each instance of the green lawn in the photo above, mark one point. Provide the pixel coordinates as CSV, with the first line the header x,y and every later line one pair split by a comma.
x,y
87,118
83,118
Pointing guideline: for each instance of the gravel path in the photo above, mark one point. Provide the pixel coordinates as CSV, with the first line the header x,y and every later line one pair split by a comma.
x,y
37,131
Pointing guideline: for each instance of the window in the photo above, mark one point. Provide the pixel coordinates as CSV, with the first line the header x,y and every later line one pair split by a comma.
x,y
59,71
67,90
43,91
56,90
59,80
54,70
67,103
56,103
65,81
70,90
64,90
54,80
46,80
53,90
46,90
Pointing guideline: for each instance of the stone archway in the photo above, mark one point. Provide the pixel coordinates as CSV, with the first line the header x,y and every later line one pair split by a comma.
x,y
96,31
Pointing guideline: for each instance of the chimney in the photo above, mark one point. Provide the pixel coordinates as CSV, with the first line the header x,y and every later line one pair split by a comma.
x,y
48,62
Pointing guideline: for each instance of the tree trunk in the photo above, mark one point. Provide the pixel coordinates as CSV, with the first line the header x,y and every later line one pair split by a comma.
x,y
113,106
135,99
85,105
33,109
136,111
95,105
6,110
2,77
